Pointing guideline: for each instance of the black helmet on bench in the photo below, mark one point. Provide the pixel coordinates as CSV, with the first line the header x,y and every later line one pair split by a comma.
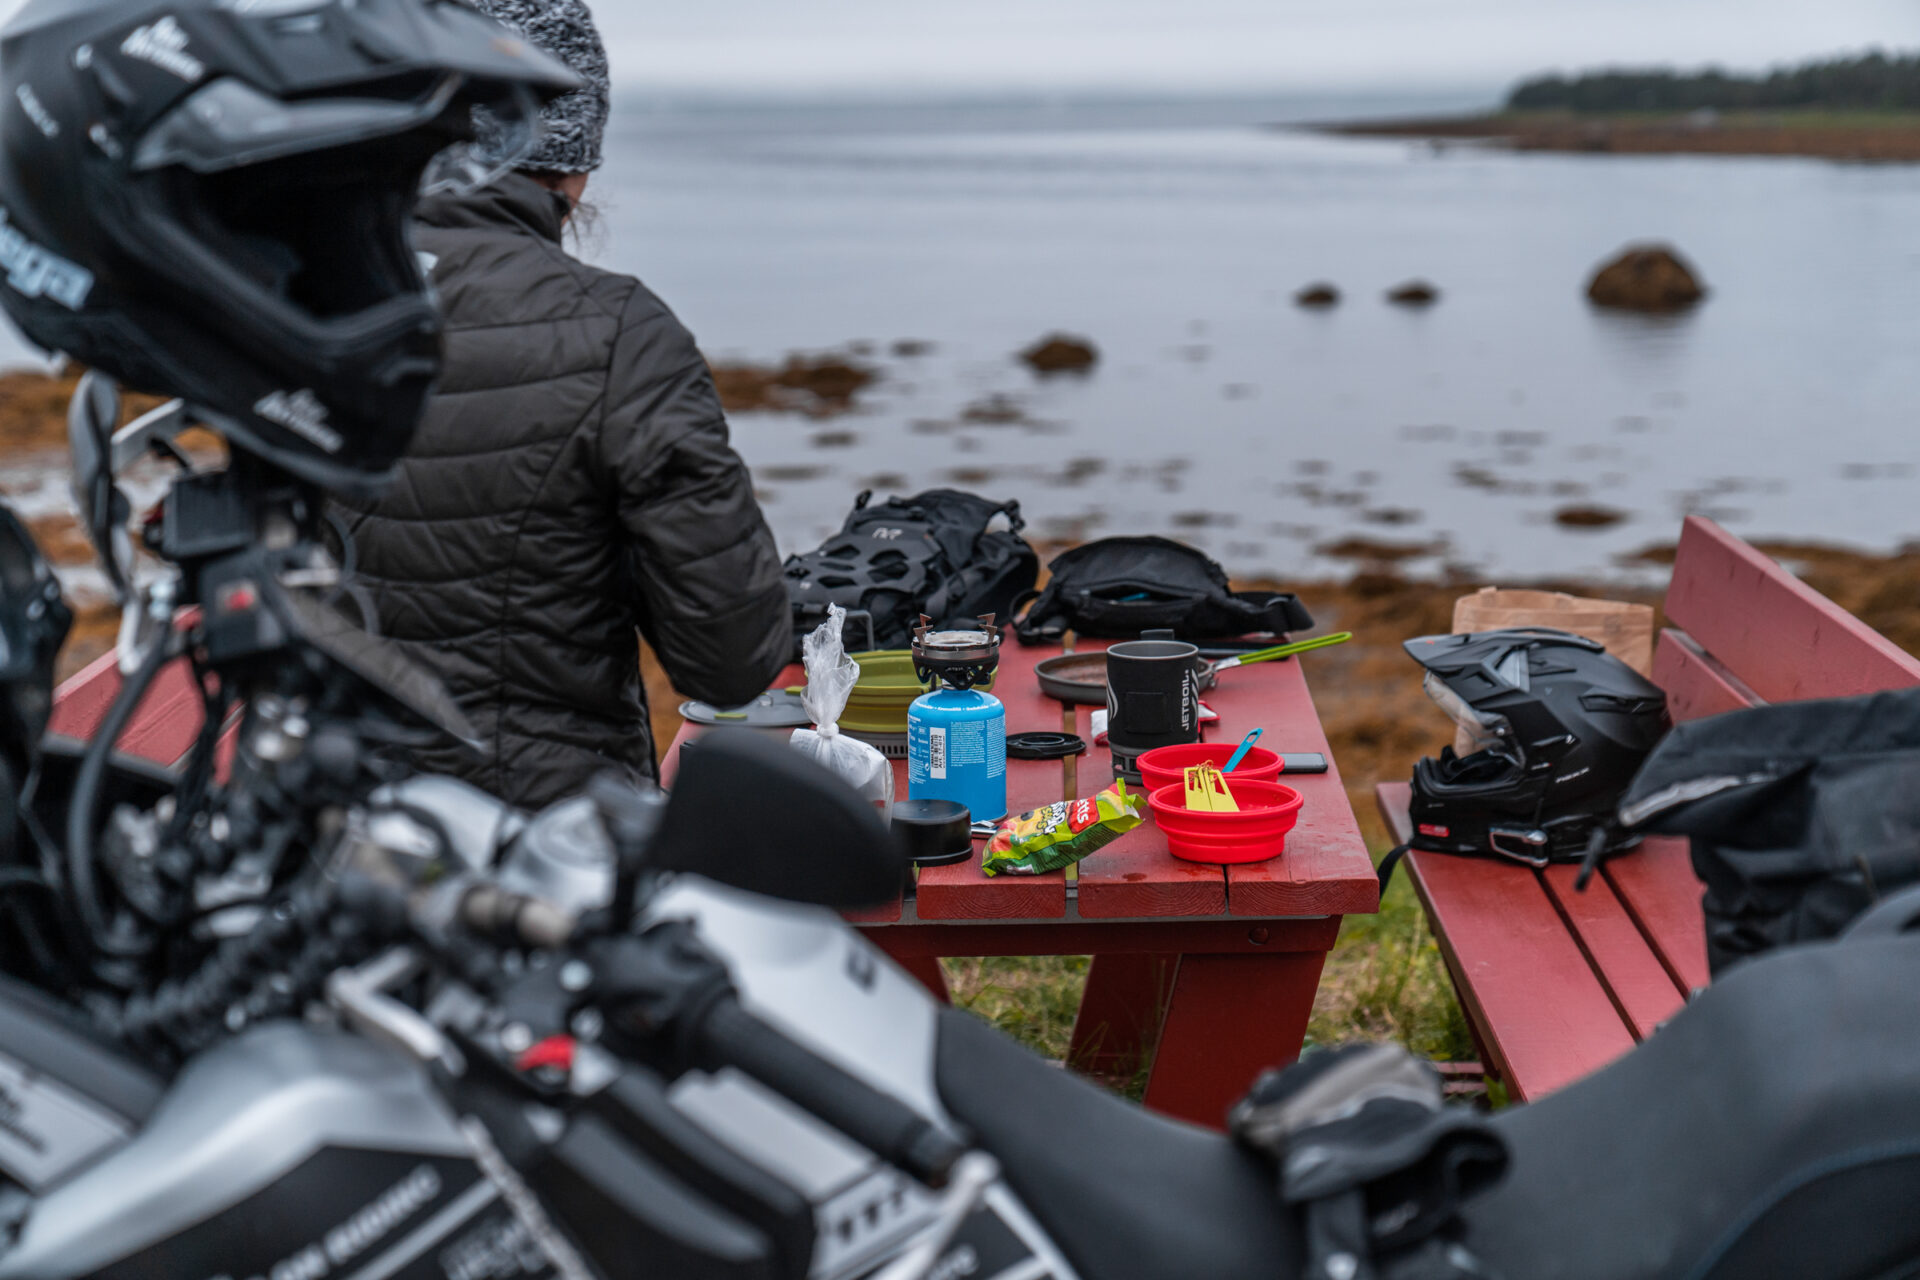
x,y
210,198
1559,727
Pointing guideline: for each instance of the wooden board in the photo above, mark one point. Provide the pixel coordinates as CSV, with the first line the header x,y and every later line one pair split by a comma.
x,y
1696,685
1543,1014
1325,870
162,730
1782,638
1657,887
1135,877
1643,992
962,891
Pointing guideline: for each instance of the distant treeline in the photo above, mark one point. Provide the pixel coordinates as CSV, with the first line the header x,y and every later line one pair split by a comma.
x,y
1872,82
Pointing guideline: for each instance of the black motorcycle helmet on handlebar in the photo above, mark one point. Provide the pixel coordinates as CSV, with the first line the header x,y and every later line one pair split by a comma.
x,y
210,198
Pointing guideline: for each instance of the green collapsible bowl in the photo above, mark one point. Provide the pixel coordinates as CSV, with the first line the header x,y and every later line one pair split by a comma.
x,y
886,689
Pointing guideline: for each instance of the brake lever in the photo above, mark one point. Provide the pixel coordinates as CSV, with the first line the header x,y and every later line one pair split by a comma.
x,y
360,996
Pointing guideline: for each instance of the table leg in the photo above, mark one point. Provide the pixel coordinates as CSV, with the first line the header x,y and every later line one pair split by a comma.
x,y
1231,1017
927,969
1121,1012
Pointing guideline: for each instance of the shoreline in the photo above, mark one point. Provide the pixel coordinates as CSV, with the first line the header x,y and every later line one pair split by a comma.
x,y
1848,138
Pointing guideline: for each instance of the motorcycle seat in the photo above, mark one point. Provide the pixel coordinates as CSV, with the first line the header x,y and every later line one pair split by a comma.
x,y
1123,1192
1771,1131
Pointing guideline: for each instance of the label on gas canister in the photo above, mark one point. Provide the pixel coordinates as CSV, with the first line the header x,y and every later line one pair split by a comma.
x,y
960,745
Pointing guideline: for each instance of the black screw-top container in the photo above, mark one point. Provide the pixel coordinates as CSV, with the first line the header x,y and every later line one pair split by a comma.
x,y
933,833
1153,699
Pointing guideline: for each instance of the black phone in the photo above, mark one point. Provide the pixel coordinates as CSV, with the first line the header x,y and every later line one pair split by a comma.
x,y
1305,762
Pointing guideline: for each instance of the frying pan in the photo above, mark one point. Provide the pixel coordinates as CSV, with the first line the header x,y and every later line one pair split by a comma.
x,y
1081,678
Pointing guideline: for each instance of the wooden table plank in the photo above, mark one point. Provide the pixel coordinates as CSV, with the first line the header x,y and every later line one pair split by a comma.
x,y
881,913
1785,640
962,891
1645,994
1656,884
162,730
1135,877
1696,685
1325,869
1545,1016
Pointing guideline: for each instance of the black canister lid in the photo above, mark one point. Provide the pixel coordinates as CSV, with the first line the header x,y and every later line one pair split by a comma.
x,y
933,832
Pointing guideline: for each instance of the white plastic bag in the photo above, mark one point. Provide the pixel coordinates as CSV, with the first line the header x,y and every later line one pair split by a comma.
x,y
831,675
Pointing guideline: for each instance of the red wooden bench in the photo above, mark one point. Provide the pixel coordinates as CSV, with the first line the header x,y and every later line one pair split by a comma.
x,y
1201,974
1555,983
168,722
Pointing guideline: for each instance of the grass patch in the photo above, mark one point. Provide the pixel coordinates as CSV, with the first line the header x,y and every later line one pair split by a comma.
x,y
1384,980
1031,998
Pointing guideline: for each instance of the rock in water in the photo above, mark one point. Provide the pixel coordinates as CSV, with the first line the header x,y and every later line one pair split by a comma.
x,y
1647,277
1414,293
818,386
1317,295
1061,353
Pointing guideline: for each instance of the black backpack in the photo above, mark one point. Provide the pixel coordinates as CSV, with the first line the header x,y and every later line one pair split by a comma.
x,y
1800,815
895,560
1118,587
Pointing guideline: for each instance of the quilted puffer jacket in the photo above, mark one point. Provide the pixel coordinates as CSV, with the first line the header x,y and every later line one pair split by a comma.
x,y
571,483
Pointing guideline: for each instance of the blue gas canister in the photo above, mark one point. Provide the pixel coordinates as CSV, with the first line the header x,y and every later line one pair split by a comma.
x,y
956,734
957,750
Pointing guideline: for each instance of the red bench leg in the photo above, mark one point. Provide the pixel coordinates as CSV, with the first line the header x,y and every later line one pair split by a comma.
x,y
1231,1018
1121,1013
927,969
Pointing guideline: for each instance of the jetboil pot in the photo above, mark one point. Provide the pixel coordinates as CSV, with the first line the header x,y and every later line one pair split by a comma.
x,y
957,735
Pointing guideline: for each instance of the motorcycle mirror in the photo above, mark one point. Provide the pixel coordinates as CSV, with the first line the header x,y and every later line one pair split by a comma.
x,y
92,415
755,814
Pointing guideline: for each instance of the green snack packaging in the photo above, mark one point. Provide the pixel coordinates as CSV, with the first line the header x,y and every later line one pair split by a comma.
x,y
1061,834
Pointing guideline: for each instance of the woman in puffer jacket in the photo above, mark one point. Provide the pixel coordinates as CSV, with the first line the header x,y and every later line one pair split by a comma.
x,y
571,487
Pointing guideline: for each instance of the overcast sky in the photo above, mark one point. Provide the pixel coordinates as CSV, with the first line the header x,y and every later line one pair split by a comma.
x,y
1265,45
1235,45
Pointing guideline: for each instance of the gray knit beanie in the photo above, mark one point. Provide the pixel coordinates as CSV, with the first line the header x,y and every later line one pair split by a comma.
x,y
571,127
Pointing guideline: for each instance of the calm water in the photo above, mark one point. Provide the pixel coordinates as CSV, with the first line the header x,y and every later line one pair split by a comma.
x,y
1174,237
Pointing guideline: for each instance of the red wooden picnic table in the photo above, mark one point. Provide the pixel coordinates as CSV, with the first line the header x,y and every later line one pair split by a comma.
x,y
1204,974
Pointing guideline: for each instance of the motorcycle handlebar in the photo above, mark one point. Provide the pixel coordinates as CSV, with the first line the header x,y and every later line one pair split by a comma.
x,y
729,1035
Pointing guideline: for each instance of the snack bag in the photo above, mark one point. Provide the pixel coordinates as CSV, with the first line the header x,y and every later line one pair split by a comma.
x,y
831,675
1061,834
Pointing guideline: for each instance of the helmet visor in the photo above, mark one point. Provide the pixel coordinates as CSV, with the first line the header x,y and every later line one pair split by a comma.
x,y
229,124
1486,732
507,129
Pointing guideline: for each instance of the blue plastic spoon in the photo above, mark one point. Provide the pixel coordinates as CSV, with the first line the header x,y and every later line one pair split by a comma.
x,y
1246,745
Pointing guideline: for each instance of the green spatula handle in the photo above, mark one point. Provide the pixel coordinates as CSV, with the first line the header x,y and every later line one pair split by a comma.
x,y
1284,650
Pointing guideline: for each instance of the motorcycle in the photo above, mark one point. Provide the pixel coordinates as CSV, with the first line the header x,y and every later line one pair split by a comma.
x,y
332,1017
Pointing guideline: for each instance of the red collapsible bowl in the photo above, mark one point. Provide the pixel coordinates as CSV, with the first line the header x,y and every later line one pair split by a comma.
x,y
1165,766
1255,834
